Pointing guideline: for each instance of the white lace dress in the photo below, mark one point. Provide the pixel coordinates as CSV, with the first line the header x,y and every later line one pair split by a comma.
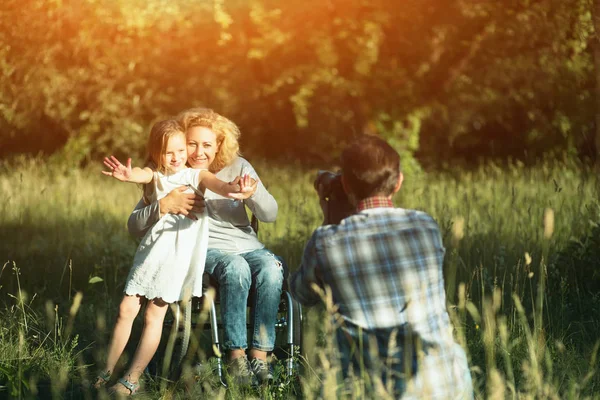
x,y
169,261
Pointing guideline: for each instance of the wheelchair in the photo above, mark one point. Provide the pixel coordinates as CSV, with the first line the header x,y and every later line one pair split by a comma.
x,y
187,318
289,320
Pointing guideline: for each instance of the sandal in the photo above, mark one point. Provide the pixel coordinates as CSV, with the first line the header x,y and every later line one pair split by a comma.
x,y
130,386
101,380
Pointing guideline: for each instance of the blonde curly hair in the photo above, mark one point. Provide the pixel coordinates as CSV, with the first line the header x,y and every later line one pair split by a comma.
x,y
226,131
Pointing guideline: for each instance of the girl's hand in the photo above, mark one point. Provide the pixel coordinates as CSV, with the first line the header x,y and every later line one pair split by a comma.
x,y
118,170
245,186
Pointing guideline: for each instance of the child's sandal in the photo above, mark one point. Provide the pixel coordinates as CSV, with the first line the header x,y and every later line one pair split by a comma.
x,y
101,380
132,387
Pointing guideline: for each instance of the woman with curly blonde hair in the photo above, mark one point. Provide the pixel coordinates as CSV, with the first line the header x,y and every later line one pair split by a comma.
x,y
235,258
227,134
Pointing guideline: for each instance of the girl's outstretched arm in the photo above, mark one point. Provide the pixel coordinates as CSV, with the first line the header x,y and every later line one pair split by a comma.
x,y
239,189
125,173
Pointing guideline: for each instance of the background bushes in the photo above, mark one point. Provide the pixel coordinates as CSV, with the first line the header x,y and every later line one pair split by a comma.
x,y
464,80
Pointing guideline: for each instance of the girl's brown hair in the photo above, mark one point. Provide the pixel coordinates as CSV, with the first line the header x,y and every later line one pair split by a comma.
x,y
160,134
226,131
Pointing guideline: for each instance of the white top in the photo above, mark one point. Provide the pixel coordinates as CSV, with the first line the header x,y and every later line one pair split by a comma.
x,y
229,226
169,261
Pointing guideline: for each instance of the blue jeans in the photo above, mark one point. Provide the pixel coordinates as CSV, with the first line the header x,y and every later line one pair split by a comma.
x,y
259,272
368,353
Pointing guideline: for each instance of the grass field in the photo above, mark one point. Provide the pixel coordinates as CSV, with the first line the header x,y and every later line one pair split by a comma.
x,y
522,275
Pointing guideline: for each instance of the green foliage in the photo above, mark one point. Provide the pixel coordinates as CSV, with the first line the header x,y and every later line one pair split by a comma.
x,y
578,264
404,137
65,229
54,221
474,79
526,81
35,351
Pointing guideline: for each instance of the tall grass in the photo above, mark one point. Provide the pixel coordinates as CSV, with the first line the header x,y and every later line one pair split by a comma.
x,y
527,320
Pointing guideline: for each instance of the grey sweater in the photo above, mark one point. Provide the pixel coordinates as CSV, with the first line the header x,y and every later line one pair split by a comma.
x,y
229,227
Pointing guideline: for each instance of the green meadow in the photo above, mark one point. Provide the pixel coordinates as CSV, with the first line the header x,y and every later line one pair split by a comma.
x,y
522,276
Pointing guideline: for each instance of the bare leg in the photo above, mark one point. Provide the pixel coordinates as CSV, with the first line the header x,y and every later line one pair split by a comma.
x,y
128,310
150,339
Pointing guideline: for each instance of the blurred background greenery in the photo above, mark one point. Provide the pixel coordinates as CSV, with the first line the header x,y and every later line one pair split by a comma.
x,y
449,81
492,104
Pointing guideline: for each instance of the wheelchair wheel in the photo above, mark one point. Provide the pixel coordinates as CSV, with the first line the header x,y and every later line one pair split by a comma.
x,y
290,322
183,344
168,360
297,321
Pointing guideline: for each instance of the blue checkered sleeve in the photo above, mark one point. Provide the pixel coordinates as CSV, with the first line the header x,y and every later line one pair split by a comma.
x,y
301,282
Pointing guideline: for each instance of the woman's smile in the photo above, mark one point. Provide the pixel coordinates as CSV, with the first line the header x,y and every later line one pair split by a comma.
x,y
201,147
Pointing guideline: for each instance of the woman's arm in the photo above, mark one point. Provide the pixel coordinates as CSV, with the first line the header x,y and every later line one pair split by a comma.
x,y
262,204
177,202
125,173
142,218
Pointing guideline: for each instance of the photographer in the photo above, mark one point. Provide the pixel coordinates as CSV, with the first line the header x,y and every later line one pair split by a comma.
x,y
384,268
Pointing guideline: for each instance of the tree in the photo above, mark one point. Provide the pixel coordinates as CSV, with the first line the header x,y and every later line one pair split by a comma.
x,y
596,47
467,79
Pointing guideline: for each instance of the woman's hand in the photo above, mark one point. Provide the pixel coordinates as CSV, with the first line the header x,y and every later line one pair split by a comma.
x,y
118,170
180,203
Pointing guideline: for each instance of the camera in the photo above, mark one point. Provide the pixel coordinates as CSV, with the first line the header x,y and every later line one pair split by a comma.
x,y
337,206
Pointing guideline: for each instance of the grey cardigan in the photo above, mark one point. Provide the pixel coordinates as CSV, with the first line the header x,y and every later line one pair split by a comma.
x,y
229,226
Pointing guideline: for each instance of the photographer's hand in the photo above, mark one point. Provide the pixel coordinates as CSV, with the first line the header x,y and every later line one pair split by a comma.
x,y
324,203
333,199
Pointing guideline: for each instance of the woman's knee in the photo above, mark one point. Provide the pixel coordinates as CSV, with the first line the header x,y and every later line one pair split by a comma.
x,y
232,268
270,272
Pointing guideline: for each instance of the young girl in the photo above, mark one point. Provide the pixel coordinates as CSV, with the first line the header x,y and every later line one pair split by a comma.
x,y
169,261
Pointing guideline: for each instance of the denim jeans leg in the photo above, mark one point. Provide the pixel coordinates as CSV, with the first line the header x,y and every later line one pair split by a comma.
x,y
233,276
370,354
267,280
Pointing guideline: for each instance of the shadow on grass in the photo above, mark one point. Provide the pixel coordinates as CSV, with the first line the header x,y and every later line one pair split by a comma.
x,y
58,259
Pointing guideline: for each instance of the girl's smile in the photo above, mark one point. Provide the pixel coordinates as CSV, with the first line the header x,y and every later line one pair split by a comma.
x,y
175,155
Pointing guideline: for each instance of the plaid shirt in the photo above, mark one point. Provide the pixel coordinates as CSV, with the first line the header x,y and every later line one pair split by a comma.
x,y
384,268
